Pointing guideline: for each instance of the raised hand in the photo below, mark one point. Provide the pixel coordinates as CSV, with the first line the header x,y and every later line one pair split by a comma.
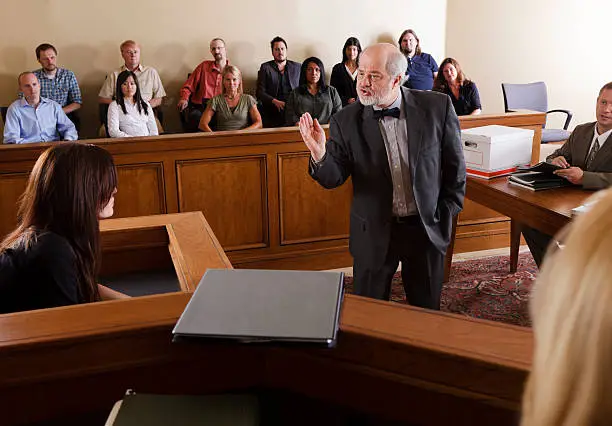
x,y
313,136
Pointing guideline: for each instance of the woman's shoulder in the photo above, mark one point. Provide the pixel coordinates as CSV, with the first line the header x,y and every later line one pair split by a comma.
x,y
248,99
332,90
35,245
215,100
48,243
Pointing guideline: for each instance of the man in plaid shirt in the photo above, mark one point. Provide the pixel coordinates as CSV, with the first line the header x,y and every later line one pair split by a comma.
x,y
57,84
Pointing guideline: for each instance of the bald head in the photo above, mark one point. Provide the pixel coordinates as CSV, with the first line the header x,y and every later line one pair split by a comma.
x,y
394,62
30,87
25,76
382,69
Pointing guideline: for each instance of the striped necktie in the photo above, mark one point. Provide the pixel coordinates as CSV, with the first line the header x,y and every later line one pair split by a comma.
x,y
592,153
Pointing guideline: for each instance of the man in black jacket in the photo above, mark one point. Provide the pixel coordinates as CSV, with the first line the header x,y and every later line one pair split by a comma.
x,y
275,80
402,148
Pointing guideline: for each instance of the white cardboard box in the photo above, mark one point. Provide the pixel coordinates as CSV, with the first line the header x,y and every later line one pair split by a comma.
x,y
492,151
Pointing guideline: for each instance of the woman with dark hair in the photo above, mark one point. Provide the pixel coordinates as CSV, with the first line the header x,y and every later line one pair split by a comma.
x,y
344,74
51,259
129,114
232,109
312,95
463,92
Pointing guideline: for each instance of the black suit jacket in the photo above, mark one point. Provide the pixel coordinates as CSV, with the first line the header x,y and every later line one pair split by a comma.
x,y
268,82
344,83
437,169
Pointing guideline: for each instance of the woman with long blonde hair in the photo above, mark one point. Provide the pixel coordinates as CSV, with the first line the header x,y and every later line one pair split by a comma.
x,y
571,378
232,109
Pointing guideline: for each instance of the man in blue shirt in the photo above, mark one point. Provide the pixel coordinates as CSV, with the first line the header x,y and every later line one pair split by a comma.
x,y
422,67
34,118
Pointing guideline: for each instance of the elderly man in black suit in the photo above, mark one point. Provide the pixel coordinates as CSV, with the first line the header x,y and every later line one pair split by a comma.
x,y
275,80
402,148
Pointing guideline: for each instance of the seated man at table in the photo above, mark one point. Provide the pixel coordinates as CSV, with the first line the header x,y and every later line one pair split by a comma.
x,y
34,118
586,159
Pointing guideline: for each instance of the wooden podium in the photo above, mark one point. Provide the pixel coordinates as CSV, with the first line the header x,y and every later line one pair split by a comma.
x,y
393,363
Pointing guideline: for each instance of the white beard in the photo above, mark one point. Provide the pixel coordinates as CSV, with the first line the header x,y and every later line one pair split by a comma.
x,y
368,100
376,99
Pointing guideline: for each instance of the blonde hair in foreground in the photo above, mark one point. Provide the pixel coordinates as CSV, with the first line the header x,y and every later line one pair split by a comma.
x,y
571,378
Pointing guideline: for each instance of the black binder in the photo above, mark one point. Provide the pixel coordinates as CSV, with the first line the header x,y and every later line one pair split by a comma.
x,y
187,410
265,306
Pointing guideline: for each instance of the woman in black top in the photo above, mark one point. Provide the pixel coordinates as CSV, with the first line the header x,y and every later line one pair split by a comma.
x,y
463,92
52,257
344,74
312,95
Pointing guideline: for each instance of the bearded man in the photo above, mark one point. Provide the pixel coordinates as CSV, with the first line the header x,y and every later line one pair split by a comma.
x,y
402,149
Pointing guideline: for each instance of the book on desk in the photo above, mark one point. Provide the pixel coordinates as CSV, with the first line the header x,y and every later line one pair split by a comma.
x,y
185,410
261,306
539,177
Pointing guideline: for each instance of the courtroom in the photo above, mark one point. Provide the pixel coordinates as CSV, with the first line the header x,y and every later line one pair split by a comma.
x,y
441,165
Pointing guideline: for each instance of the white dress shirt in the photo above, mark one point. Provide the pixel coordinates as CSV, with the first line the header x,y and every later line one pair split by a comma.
x,y
134,123
395,135
601,138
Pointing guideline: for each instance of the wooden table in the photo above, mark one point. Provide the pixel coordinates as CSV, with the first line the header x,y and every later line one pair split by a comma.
x,y
547,211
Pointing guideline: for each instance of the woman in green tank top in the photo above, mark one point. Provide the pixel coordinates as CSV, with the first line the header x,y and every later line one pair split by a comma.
x,y
232,109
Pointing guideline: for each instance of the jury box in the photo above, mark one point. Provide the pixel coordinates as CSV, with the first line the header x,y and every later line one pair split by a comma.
x,y
492,151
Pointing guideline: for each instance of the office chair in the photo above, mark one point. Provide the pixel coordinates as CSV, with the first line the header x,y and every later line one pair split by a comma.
x,y
533,96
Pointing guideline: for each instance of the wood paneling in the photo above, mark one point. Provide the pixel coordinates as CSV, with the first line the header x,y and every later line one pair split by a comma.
x,y
12,186
140,190
254,188
232,193
309,212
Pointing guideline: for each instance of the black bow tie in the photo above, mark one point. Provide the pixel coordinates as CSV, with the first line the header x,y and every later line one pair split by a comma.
x,y
387,112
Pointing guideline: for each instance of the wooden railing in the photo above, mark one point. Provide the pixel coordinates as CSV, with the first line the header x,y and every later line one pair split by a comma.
x,y
392,361
254,189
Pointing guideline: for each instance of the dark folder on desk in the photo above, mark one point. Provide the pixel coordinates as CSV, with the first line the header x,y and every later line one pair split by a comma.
x,y
264,305
538,180
187,410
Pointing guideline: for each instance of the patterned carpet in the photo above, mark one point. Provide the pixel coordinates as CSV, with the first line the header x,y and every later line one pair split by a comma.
x,y
483,288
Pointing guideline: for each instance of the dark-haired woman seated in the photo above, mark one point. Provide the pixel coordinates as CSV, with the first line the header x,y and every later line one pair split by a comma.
x,y
312,95
129,114
344,74
51,259
232,109
463,92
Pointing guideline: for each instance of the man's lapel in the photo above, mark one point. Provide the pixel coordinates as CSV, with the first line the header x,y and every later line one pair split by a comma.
x,y
414,123
583,149
603,156
372,134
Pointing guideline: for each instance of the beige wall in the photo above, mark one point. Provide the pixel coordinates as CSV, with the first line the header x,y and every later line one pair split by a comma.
x,y
565,43
175,36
